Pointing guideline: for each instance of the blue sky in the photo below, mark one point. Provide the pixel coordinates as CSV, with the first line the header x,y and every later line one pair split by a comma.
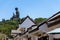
x,y
33,8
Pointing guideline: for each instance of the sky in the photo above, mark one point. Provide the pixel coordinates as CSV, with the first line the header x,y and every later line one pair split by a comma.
x,y
33,8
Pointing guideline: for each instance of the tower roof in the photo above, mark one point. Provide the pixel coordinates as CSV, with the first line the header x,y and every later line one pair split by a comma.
x,y
28,22
29,18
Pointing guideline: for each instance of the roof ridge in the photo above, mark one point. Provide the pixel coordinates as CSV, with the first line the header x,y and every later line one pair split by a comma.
x,y
29,18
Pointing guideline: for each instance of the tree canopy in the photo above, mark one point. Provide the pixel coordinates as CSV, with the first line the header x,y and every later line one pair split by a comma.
x,y
38,20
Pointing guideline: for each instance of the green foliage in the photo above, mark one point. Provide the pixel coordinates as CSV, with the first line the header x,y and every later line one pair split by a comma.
x,y
22,19
38,20
7,25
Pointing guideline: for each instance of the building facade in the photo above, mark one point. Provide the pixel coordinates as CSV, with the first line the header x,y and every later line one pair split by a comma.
x,y
38,32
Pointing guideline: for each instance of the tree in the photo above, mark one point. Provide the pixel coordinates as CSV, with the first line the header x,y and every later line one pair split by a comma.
x,y
38,20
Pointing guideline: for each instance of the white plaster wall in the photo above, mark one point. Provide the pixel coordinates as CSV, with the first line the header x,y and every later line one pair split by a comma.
x,y
51,37
43,28
34,27
56,36
15,31
27,23
34,37
25,38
